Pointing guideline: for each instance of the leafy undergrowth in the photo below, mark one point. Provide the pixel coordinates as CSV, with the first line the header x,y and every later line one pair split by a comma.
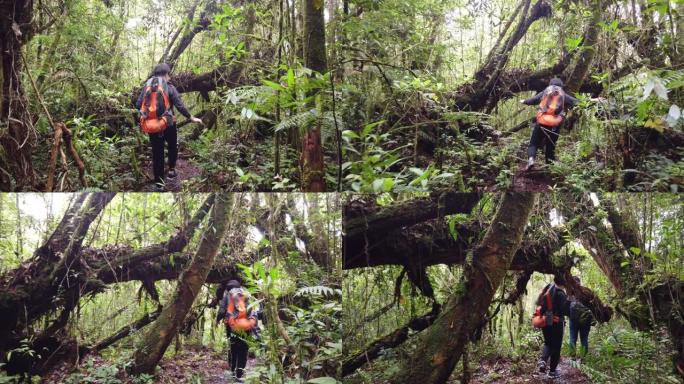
x,y
194,364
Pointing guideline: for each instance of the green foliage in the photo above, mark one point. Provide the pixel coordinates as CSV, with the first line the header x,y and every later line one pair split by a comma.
x,y
93,373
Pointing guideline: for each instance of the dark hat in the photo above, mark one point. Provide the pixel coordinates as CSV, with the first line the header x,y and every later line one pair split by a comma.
x,y
161,69
556,81
232,284
559,280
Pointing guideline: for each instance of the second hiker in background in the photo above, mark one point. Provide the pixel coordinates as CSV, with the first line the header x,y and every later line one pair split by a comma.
x,y
581,320
155,103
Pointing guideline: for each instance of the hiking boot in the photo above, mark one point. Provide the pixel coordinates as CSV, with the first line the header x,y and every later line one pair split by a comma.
x,y
553,374
172,173
158,188
541,365
530,164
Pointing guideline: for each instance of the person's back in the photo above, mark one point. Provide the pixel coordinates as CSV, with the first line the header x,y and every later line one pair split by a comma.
x,y
240,320
156,104
554,295
580,323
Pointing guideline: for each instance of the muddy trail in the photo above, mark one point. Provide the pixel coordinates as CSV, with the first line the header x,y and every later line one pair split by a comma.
x,y
495,370
186,171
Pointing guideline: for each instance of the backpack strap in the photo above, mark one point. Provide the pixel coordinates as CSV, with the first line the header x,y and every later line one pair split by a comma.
x,y
549,301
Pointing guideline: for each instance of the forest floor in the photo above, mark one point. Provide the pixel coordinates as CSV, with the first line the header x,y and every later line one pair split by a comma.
x,y
194,364
197,362
185,169
497,370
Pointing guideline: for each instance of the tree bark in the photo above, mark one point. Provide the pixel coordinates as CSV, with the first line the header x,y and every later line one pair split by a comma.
x,y
311,160
440,348
16,30
164,329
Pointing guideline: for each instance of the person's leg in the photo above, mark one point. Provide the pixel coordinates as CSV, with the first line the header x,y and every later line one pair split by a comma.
x,y
556,344
241,358
171,135
551,143
233,354
157,143
535,142
584,338
573,337
546,351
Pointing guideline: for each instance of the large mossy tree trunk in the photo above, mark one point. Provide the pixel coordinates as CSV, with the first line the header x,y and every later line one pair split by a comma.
x,y
311,162
441,346
164,329
17,137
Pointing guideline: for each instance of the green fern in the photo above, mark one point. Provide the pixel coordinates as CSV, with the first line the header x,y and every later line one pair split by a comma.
x,y
318,290
308,119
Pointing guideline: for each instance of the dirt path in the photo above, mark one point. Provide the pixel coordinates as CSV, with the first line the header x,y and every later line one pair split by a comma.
x,y
184,167
197,363
502,371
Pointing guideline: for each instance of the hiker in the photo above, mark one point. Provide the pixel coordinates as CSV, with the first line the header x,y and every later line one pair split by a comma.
x,y
155,103
581,320
240,321
552,101
552,306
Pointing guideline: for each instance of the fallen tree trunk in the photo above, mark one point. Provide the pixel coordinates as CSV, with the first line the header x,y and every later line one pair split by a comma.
x,y
164,329
391,340
440,347
121,333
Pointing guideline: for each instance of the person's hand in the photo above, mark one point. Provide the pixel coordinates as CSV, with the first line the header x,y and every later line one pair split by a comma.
x,y
196,120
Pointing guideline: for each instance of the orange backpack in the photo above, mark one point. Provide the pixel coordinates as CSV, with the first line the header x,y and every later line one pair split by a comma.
x,y
550,107
547,318
155,110
238,315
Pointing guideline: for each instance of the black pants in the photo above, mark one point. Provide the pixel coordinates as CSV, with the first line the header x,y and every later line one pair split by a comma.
x,y
237,357
553,341
157,141
544,135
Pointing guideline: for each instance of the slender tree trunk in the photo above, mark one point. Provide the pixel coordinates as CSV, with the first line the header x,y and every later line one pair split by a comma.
x,y
19,139
440,347
311,162
164,329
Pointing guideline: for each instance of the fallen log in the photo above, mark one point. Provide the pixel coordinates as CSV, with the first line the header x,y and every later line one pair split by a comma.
x,y
391,340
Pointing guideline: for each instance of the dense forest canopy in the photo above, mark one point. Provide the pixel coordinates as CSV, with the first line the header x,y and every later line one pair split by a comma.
x,y
89,280
425,93
418,269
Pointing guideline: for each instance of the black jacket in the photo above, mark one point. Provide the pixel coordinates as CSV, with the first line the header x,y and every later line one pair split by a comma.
x,y
559,301
174,99
568,101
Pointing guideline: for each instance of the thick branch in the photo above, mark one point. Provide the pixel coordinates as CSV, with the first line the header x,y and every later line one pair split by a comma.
x,y
392,340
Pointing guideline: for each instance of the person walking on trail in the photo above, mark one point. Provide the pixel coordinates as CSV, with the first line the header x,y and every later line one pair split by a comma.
x,y
552,307
155,103
552,102
581,320
240,321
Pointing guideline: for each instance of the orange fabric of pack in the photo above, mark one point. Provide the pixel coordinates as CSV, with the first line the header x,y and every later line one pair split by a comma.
x,y
238,317
550,107
539,320
152,119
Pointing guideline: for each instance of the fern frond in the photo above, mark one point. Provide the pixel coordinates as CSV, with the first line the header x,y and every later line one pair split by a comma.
x,y
318,290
